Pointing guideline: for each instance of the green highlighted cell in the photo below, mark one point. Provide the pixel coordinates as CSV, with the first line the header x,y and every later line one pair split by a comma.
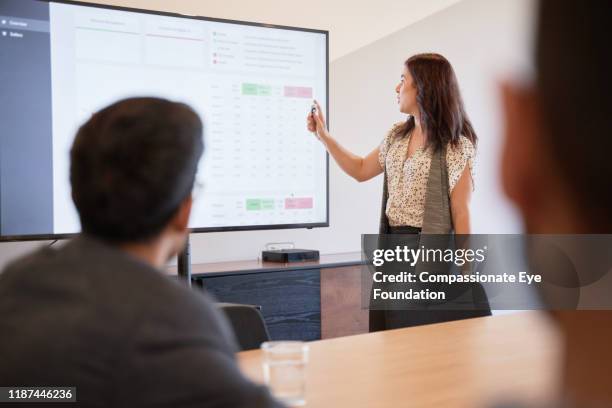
x,y
264,90
253,204
256,89
249,89
258,204
267,204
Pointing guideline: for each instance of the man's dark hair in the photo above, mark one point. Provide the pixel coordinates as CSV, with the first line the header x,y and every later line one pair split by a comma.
x,y
574,76
132,165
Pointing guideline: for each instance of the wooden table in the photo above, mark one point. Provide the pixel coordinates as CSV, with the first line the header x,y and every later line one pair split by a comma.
x,y
467,363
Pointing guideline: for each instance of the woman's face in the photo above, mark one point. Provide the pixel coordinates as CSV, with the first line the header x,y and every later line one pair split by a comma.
x,y
406,94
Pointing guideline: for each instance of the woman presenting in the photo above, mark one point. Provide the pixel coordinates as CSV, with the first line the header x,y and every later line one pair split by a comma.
x,y
436,136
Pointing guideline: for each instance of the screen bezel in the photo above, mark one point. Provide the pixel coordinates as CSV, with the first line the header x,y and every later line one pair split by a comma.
x,y
42,237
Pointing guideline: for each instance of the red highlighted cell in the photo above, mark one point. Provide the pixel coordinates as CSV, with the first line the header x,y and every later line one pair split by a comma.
x,y
298,203
298,92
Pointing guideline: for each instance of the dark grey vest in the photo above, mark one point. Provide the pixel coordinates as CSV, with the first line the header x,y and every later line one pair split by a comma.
x,y
437,217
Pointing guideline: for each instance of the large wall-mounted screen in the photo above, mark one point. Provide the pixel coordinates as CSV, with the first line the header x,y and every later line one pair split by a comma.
x,y
252,84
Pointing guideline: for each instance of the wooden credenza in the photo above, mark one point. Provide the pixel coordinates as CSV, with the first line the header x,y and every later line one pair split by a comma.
x,y
299,300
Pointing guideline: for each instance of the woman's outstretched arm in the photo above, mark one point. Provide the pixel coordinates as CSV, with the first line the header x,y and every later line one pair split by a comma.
x,y
360,168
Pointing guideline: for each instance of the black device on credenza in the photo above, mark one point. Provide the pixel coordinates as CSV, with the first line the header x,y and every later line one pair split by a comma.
x,y
290,255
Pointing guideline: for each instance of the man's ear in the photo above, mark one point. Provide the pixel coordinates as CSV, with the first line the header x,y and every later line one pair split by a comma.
x,y
522,159
180,221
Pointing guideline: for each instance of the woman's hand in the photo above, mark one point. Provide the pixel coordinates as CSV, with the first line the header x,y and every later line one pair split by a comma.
x,y
361,169
315,122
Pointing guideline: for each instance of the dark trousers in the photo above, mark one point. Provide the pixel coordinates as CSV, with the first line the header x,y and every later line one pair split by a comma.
x,y
394,319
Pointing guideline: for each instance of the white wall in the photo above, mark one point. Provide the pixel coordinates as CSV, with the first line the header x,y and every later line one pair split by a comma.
x,y
483,39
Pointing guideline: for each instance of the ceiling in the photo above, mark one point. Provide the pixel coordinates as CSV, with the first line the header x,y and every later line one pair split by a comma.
x,y
352,23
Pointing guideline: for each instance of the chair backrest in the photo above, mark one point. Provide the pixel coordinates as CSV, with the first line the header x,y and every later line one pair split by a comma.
x,y
248,324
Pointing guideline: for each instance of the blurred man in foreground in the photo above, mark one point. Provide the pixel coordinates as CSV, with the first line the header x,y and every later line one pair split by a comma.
x,y
98,313
557,166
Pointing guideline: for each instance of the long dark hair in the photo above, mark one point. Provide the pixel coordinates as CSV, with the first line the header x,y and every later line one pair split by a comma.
x,y
442,114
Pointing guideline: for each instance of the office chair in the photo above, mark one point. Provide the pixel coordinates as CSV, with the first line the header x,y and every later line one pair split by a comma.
x,y
248,324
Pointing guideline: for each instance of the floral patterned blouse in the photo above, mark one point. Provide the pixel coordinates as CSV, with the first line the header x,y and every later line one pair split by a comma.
x,y
407,177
